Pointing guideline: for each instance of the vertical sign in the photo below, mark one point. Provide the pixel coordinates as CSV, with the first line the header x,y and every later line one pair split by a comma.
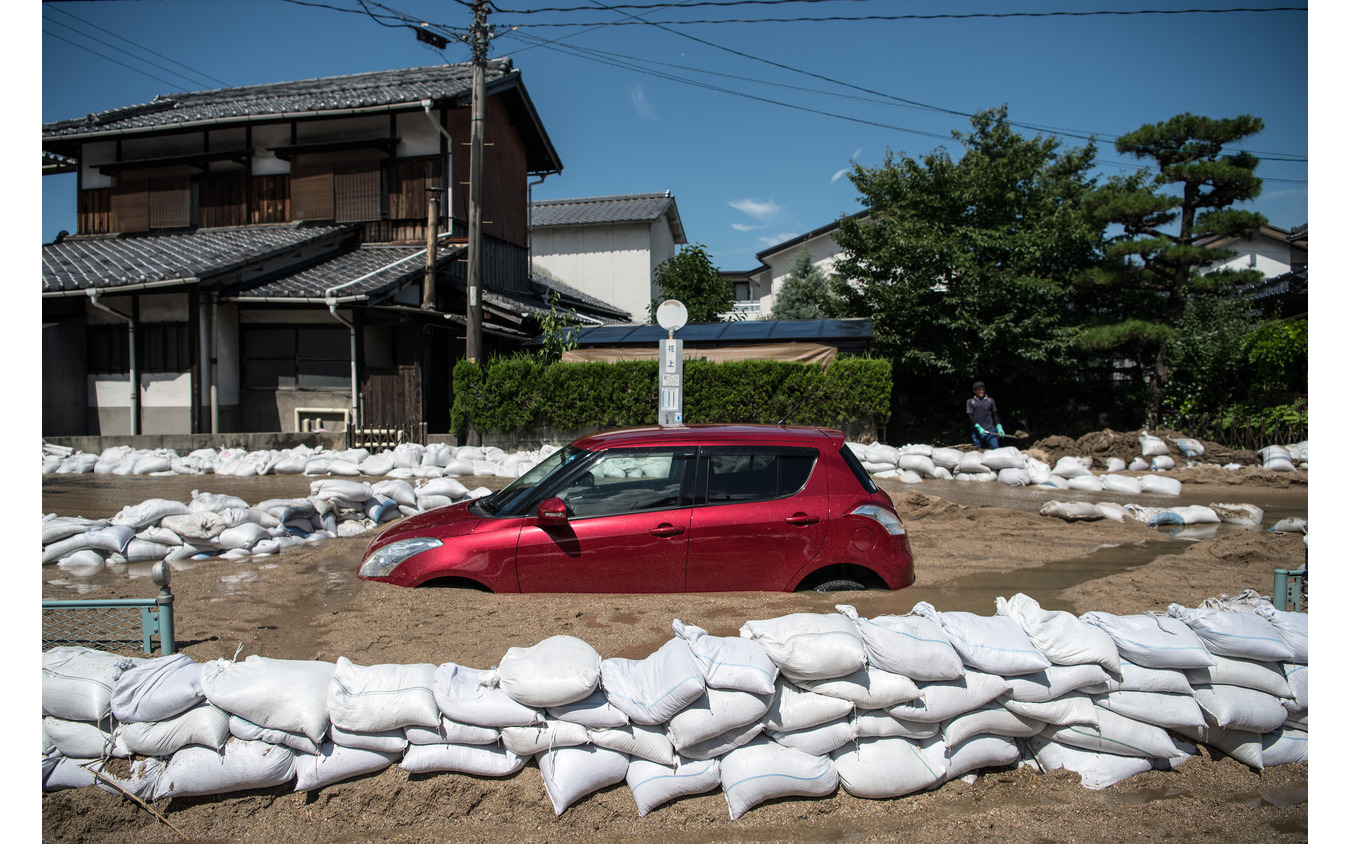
x,y
672,383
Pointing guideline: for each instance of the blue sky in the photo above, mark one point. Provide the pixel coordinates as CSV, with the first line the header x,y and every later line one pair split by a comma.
x,y
752,126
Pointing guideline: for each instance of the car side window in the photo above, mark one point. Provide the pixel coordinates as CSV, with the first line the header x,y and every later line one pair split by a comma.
x,y
735,474
628,481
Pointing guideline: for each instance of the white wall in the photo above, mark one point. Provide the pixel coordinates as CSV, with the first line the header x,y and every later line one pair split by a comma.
x,y
1268,256
613,262
824,252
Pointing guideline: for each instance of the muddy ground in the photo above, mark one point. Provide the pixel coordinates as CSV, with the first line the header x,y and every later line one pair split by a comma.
x,y
306,604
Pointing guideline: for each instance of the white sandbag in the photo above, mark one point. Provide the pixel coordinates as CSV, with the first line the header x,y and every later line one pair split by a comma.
x,y
1292,627
763,770
377,465
1014,477
1243,515
725,743
879,768
946,458
1039,471
471,696
1055,681
1234,634
1296,676
152,463
1121,483
1115,464
335,763
148,512
1138,678
880,724
60,772
249,731
433,502
77,682
729,662
196,526
1284,747
1162,463
213,502
1086,483
593,711
343,468
113,538
1153,641
1052,482
536,738
821,740
283,694
1007,457
157,689
238,766
1268,677
399,490
920,464
977,477
881,453
1151,446
945,699
459,466
1116,734
716,712
384,741
654,785
56,528
337,489
1159,485
1243,746
1172,712
78,463
868,688
653,689
991,719
972,463
571,773
1290,525
1072,708
478,760
159,536
84,563
1096,771
1113,511
1276,458
558,670
204,724
452,732
443,486
992,644
912,645
649,743
983,751
1062,637
382,697
1073,511
794,708
1236,708
81,739
810,646
1068,467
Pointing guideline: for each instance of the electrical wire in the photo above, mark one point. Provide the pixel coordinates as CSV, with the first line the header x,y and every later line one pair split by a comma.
x,y
111,59
931,17
195,81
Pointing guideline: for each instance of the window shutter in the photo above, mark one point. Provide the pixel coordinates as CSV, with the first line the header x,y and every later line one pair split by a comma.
x,y
170,205
131,202
356,186
312,187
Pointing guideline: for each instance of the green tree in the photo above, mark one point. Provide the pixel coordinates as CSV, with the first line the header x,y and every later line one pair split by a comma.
x,y
962,263
805,291
1164,216
691,278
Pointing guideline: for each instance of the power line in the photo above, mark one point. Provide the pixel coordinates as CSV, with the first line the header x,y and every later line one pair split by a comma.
x,y
940,16
200,74
111,59
688,4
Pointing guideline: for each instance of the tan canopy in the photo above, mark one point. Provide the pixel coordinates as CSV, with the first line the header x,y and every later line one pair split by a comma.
x,y
804,352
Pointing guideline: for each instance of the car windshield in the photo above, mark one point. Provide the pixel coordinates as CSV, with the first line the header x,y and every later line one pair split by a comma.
x,y
507,501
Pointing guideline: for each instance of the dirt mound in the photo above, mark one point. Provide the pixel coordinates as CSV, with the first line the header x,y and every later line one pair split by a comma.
x,y
1103,445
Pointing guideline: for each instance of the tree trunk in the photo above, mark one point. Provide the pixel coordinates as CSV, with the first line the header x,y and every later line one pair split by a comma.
x,y
1157,386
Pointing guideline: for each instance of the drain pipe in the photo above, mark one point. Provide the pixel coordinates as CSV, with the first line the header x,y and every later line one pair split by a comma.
x,y
351,332
214,378
445,164
135,379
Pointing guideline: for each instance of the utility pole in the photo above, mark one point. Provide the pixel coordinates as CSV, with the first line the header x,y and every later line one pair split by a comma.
x,y
473,343
429,273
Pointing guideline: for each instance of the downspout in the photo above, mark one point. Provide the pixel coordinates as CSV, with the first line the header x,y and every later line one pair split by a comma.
x,y
447,209
529,228
135,379
351,333
214,377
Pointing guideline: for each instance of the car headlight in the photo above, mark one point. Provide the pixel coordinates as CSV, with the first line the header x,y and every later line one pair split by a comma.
x,y
388,558
881,516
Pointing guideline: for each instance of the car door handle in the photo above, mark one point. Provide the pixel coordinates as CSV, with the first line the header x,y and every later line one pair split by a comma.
x,y
666,530
801,519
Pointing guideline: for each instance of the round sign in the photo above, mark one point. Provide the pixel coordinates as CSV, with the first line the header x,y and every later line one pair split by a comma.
x,y
672,314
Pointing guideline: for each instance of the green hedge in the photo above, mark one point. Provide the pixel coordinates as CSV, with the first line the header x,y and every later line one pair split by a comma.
x,y
514,393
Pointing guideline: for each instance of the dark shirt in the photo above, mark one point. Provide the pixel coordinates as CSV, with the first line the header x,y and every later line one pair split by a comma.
x,y
982,412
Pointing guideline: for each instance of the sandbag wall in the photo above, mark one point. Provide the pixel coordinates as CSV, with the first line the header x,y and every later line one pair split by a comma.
x,y
795,706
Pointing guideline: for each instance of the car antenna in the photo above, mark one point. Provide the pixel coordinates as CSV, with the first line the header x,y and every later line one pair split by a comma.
x,y
792,410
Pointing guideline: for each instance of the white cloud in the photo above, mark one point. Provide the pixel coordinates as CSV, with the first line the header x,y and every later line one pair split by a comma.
x,y
745,227
762,210
637,92
777,239
839,174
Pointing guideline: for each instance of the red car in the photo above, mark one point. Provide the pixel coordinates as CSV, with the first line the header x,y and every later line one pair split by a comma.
x,y
705,508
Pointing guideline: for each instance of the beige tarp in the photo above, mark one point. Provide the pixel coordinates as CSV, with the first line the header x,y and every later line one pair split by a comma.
x,y
804,352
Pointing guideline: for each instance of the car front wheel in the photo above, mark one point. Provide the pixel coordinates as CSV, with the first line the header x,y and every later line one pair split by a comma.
x,y
840,585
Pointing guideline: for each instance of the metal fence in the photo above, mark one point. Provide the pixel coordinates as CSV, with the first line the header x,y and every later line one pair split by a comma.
x,y
114,623
1246,434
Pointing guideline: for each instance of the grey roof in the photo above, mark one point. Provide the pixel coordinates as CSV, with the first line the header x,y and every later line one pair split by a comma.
x,y
570,297
112,262
362,273
628,208
332,93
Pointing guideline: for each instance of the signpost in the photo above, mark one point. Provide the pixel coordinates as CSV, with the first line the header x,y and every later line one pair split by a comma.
x,y
671,315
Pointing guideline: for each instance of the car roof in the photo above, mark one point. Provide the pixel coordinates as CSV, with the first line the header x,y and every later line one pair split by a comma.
x,y
712,434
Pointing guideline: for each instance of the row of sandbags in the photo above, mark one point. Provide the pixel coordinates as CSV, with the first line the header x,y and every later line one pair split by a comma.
x,y
218,525
405,461
1193,515
798,705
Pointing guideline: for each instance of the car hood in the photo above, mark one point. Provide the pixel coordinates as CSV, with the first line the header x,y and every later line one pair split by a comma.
x,y
454,520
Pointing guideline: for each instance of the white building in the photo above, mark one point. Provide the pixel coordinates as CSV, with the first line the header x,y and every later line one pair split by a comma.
x,y
607,246
761,286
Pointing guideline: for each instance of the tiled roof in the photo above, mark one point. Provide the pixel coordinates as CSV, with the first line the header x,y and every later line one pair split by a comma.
x,y
363,272
630,208
111,262
570,297
332,93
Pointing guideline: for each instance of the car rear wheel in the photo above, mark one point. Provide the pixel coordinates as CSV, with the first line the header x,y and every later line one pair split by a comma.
x,y
840,585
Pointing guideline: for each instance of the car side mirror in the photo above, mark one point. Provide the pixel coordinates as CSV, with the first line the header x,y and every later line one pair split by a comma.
x,y
552,511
